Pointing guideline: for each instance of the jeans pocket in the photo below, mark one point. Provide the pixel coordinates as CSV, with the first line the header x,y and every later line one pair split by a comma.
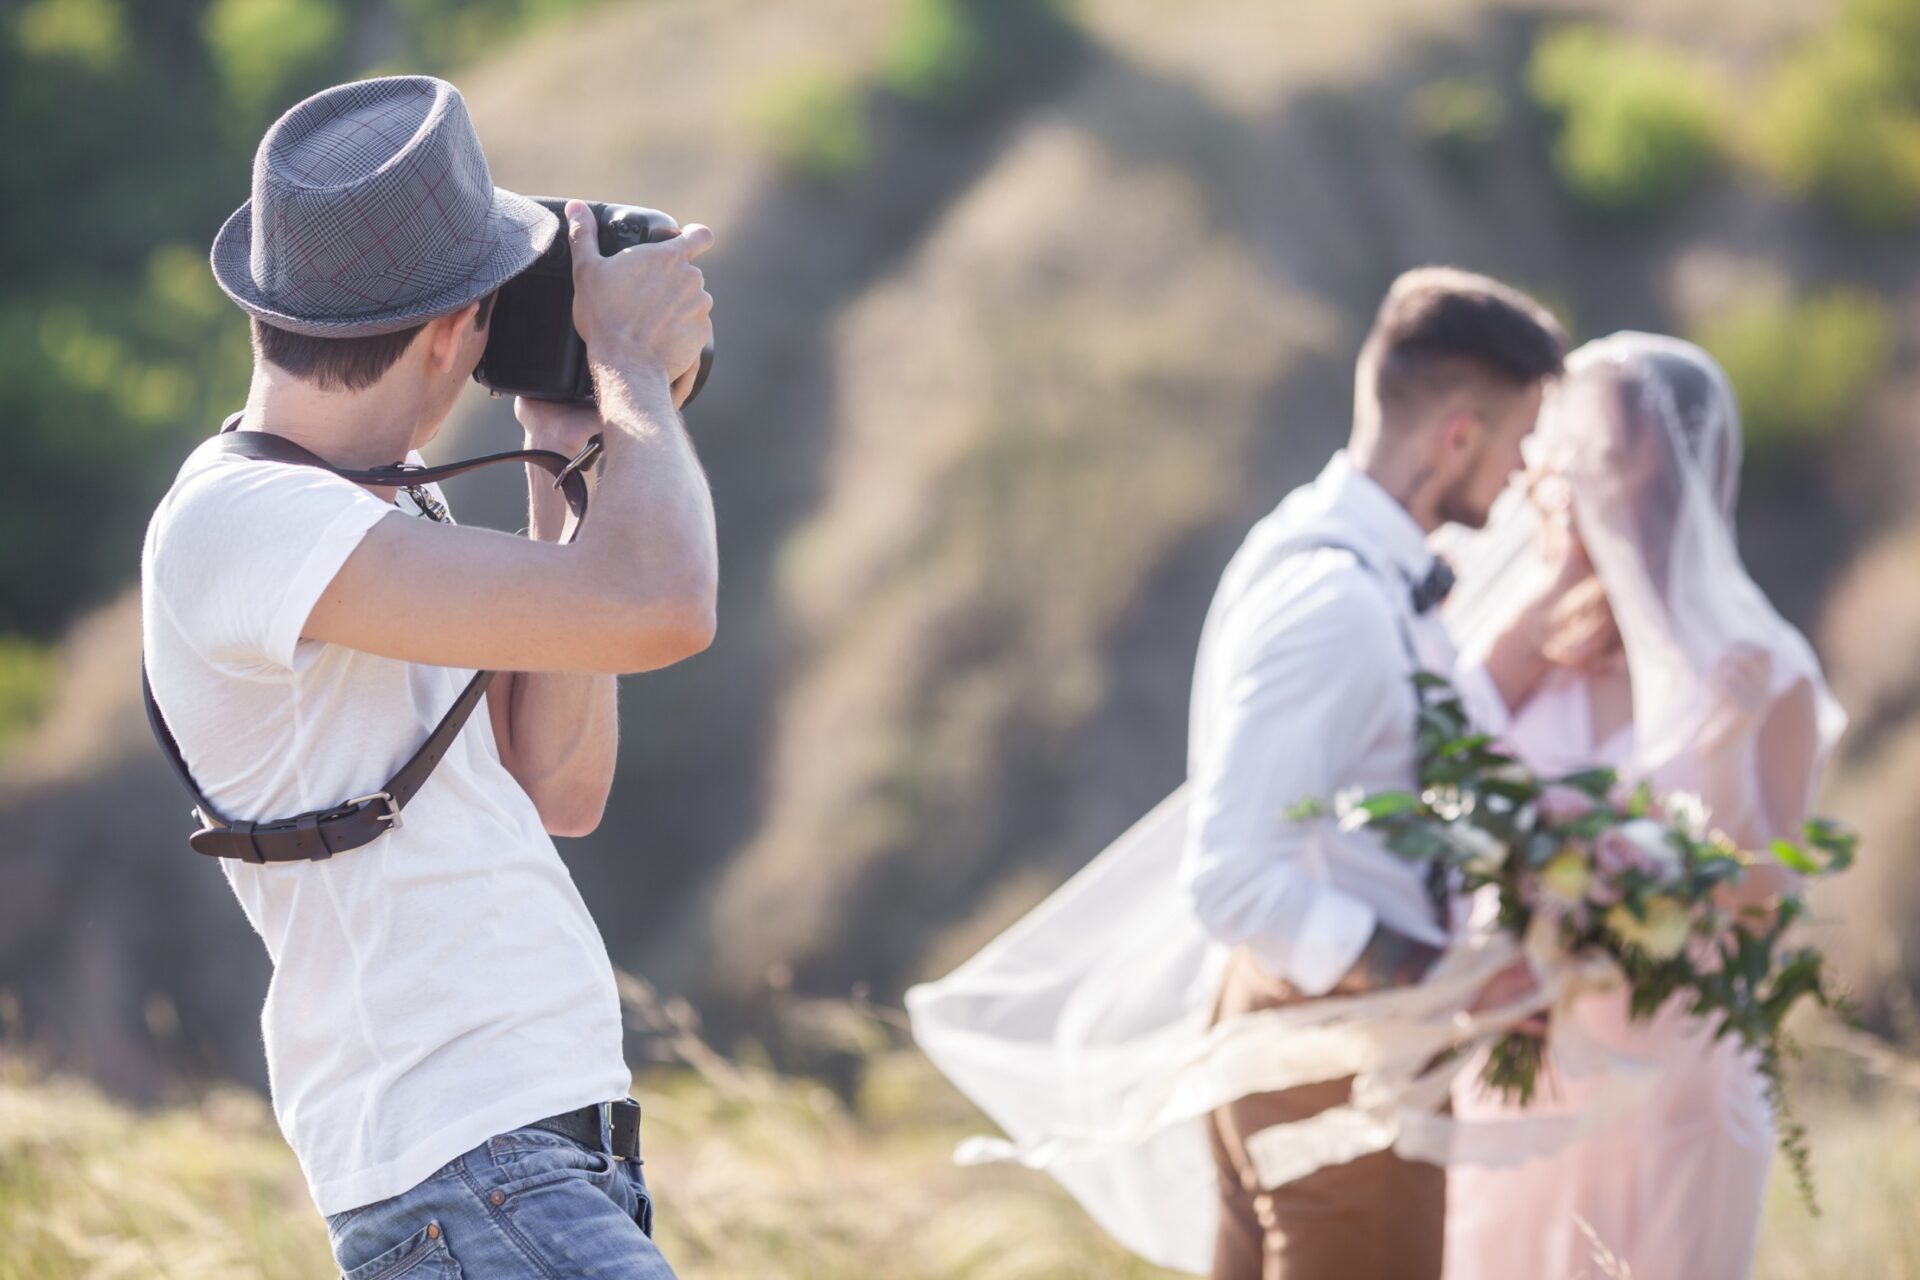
x,y
532,1157
421,1256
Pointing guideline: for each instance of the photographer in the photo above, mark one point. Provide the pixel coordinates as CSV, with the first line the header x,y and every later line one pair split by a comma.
x,y
443,1033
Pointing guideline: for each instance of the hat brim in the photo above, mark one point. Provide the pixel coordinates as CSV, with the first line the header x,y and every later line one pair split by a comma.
x,y
521,230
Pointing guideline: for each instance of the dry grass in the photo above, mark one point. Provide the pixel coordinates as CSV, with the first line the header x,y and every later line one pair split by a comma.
x,y
769,1176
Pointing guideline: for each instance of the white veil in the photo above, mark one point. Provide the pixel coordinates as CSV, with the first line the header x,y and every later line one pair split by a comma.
x,y
1645,432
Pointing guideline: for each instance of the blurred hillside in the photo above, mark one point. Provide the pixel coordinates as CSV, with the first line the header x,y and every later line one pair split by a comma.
x,y
1025,314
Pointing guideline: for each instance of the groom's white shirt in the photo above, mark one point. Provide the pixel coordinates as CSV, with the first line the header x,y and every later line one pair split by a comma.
x,y
1302,689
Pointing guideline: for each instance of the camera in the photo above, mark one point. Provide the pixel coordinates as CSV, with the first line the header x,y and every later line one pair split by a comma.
x,y
533,349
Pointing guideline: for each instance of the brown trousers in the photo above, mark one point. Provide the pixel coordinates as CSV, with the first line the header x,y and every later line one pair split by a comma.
x,y
1376,1218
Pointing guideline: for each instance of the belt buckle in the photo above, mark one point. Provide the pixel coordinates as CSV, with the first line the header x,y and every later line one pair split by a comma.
x,y
391,817
623,1128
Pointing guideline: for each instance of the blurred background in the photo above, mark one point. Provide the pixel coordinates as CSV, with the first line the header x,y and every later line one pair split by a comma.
x,y
1026,310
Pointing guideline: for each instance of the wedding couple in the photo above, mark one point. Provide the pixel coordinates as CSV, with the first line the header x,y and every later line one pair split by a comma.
x,y
1601,615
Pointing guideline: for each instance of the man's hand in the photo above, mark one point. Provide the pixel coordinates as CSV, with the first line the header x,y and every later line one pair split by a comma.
x,y
563,428
645,310
1390,960
636,591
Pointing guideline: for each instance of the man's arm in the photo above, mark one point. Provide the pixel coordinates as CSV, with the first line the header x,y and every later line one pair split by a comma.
x,y
1315,682
558,734
636,590
1389,960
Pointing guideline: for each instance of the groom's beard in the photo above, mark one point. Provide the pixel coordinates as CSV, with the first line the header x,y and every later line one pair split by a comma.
x,y
1456,505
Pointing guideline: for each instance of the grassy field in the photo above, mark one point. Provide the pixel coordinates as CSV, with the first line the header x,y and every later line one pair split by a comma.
x,y
769,1176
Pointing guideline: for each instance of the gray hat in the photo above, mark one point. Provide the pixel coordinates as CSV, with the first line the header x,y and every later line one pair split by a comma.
x,y
373,210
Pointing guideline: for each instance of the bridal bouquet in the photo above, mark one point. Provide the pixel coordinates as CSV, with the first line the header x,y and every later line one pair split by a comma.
x,y
1582,864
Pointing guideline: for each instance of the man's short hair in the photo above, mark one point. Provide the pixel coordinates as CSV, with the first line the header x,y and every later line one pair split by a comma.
x,y
342,364
1440,328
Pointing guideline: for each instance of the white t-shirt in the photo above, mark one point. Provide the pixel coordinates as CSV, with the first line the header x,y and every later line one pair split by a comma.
x,y
437,986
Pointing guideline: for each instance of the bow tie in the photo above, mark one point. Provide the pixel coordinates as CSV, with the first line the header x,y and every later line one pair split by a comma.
x,y
1432,589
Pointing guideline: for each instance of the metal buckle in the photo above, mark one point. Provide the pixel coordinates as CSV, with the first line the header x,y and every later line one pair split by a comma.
x,y
580,459
623,1128
391,817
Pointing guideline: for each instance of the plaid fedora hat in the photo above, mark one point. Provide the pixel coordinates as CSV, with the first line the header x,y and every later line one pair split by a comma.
x,y
373,210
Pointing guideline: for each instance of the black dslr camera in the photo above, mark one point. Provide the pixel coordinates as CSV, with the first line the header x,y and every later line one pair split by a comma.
x,y
533,349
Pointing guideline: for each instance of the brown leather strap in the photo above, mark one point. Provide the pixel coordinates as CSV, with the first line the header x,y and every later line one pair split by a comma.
x,y
363,819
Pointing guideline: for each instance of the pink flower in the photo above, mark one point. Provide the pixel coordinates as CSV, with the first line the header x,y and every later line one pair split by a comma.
x,y
1640,845
1605,890
1626,794
1561,804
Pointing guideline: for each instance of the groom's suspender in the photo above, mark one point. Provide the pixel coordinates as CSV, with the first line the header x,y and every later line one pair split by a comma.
x,y
1312,542
1438,887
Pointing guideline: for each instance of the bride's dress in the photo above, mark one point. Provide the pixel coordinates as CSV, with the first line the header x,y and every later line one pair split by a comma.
x,y
1645,434
1675,1187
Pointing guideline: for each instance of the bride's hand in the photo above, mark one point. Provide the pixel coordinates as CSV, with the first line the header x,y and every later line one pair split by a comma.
x,y
1581,632
1511,984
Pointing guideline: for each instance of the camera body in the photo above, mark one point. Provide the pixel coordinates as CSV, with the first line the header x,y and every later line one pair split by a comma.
x,y
533,349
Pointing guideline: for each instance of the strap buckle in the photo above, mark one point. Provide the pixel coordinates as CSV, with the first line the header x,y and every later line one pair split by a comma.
x,y
586,455
391,817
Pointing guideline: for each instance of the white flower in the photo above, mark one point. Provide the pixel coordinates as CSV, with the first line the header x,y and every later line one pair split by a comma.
x,y
1346,808
1485,853
1688,812
1449,804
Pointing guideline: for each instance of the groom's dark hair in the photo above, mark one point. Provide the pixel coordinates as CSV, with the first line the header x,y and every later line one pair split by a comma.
x,y
1440,328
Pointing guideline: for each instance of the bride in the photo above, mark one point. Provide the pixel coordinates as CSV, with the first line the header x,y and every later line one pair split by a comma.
x,y
1653,652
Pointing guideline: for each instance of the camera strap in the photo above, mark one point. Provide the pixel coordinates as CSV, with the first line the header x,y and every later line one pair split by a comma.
x,y
321,833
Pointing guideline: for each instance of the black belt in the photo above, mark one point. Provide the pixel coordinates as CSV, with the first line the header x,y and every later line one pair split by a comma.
x,y
583,1127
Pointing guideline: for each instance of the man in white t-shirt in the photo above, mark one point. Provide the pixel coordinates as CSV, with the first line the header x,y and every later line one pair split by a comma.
x,y
443,1034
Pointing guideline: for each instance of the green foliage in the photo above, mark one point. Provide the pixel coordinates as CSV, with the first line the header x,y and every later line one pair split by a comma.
x,y
261,46
959,57
1639,123
89,33
137,125
1620,875
813,122
26,684
1801,368
1841,121
1459,117
447,33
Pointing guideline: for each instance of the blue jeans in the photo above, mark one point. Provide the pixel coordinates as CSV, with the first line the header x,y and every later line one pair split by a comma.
x,y
528,1203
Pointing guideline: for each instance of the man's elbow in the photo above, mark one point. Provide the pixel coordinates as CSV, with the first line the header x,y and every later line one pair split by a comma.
x,y
572,814
693,630
674,635
664,630
1204,885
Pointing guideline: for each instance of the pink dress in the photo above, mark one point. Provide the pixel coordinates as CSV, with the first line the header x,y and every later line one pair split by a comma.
x,y
1674,1188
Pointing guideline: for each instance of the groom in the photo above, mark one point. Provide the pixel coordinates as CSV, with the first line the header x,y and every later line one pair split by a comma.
x,y
1303,689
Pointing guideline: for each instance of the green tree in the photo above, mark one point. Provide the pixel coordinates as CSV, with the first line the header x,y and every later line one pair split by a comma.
x,y
1638,123
1841,120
